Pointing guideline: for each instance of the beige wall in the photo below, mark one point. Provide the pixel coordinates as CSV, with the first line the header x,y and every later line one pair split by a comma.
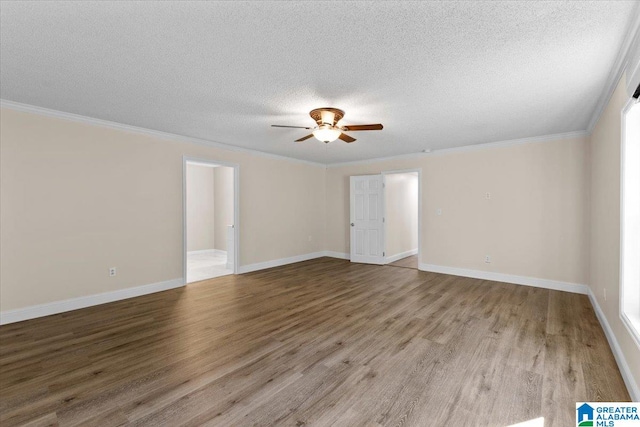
x,y
401,213
533,225
223,184
200,208
75,201
605,222
96,209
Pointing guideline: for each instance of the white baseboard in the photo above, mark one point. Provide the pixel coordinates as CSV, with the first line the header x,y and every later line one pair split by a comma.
x,y
278,262
576,288
339,255
34,311
399,256
332,254
632,386
284,261
41,310
204,251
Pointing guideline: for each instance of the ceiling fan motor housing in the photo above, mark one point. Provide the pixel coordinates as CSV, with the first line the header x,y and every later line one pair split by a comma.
x,y
327,116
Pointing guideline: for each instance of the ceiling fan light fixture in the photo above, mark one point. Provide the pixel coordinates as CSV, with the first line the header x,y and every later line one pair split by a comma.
x,y
327,129
326,133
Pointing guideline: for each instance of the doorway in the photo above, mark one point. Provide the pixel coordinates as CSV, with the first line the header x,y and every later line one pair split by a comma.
x,y
385,211
209,219
401,212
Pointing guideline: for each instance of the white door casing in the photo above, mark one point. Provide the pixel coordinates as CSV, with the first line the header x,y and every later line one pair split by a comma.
x,y
234,252
366,219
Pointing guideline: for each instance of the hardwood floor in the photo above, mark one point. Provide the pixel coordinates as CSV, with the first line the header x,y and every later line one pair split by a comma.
x,y
323,342
408,262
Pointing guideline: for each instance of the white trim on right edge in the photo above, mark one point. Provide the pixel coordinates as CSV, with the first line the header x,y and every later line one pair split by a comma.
x,y
619,66
575,288
630,320
632,386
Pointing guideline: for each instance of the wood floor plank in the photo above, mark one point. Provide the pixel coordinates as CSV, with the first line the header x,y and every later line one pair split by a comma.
x,y
47,420
322,342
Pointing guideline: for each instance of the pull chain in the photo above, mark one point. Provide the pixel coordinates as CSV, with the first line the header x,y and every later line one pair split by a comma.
x,y
326,152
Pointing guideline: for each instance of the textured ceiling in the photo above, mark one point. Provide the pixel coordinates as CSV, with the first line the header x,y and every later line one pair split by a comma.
x,y
436,74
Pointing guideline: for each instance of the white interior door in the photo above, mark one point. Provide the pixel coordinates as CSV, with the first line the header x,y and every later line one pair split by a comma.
x,y
367,204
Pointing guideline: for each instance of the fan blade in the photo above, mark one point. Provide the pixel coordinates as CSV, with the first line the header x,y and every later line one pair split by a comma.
x,y
304,137
377,126
295,127
346,138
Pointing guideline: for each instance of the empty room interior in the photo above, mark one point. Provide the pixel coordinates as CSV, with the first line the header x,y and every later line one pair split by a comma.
x,y
319,213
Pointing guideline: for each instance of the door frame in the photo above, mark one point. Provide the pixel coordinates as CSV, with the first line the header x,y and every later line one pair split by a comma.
x,y
384,209
236,208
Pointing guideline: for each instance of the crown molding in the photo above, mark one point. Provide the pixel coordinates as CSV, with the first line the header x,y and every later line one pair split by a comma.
x,y
378,160
27,108
510,142
17,106
617,70
465,148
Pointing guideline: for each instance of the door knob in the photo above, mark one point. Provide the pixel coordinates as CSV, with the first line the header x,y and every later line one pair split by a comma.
x,y
352,224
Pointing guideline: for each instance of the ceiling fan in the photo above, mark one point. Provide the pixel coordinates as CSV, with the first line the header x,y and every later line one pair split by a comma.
x,y
327,129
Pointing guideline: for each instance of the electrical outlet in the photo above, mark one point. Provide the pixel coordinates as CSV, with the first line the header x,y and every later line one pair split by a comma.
x,y
112,271
487,259
604,293
439,211
488,196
